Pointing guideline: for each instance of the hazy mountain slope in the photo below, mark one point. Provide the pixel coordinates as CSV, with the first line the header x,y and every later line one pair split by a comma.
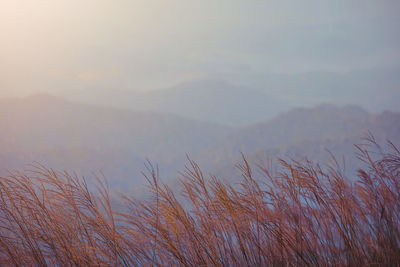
x,y
216,101
67,135
304,132
317,123
264,96
375,89
87,139
204,100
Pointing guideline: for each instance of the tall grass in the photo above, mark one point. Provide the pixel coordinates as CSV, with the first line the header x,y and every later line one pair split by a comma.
x,y
298,215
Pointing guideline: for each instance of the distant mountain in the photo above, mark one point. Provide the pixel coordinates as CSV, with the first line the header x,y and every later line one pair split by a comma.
x,y
204,100
355,87
322,122
304,132
262,97
87,138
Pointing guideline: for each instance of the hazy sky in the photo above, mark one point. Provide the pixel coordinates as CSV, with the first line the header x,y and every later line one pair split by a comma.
x,y
54,45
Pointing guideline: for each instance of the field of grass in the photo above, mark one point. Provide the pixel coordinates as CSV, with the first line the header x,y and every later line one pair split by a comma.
x,y
297,213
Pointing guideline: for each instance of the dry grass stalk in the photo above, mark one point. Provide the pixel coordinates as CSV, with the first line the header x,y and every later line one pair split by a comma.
x,y
301,215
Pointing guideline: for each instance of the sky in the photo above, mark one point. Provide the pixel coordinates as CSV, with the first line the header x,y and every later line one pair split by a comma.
x,y
54,45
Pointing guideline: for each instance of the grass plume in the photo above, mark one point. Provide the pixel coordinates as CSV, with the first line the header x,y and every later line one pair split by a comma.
x,y
298,215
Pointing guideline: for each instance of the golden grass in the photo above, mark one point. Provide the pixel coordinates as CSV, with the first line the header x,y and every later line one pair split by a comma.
x,y
299,215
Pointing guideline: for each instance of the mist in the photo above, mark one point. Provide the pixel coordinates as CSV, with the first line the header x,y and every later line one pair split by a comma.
x,y
64,46
199,133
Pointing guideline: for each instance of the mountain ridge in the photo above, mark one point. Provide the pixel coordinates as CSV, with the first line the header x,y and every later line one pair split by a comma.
x,y
88,138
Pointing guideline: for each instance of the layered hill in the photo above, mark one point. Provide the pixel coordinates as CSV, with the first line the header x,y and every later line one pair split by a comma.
x,y
87,138
265,95
115,142
204,100
314,133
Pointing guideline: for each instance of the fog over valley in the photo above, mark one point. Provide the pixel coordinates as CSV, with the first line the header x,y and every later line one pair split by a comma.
x,y
101,87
